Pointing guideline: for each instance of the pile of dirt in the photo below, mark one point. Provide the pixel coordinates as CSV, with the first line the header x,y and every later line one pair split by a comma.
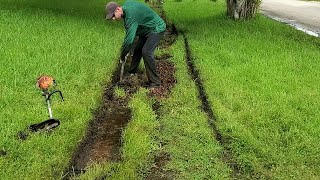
x,y
166,71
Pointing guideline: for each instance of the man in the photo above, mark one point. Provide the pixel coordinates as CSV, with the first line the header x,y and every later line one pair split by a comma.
x,y
139,20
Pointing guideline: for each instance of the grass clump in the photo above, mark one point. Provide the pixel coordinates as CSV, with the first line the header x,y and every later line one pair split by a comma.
x,y
119,92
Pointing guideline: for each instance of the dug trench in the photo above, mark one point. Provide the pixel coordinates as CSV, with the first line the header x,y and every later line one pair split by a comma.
x,y
103,139
158,172
224,142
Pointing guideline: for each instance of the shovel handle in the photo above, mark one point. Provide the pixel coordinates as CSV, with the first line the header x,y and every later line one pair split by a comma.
x,y
122,67
121,71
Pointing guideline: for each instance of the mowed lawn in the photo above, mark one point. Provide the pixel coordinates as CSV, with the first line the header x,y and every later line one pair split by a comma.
x,y
260,76
69,40
263,82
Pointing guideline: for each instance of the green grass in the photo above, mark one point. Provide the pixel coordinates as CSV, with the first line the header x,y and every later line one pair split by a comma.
x,y
262,80
182,128
139,144
186,133
260,76
48,37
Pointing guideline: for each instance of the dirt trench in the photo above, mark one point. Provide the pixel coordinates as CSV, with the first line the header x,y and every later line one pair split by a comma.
x,y
103,139
227,155
157,171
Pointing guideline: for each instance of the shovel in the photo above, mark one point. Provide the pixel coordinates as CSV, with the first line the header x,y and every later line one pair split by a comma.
x,y
123,63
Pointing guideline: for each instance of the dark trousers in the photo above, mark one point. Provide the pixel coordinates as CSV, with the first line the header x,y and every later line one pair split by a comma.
x,y
145,47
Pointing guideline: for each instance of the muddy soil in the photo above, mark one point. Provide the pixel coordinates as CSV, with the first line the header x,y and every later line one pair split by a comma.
x,y
103,139
157,171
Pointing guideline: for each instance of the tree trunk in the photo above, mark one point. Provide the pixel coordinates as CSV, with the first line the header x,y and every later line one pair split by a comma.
x,y
242,9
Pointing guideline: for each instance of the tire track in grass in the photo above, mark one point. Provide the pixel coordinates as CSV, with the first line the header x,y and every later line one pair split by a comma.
x,y
103,139
167,72
227,156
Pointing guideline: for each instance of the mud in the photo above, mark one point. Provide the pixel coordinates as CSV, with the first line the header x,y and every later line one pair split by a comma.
x,y
166,71
132,82
157,171
103,138
169,37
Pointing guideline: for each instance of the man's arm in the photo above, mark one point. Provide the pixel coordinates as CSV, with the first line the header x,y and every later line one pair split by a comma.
x,y
130,35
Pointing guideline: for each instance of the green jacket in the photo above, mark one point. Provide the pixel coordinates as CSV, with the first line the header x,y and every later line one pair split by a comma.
x,y
139,20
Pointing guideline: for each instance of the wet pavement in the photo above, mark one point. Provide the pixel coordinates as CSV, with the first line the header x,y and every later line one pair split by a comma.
x,y
303,15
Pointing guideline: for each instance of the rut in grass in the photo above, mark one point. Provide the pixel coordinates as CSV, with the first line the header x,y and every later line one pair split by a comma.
x,y
103,136
103,140
227,156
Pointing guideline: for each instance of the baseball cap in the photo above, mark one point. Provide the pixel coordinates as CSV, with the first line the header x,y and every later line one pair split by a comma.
x,y
110,8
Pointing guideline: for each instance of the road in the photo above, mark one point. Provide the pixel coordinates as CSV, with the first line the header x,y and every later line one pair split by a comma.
x,y
304,15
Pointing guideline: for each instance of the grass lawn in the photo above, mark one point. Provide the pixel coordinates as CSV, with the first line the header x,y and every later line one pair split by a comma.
x,y
261,78
71,42
263,83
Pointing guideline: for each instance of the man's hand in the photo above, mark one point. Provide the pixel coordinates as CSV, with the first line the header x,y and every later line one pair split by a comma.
x,y
124,58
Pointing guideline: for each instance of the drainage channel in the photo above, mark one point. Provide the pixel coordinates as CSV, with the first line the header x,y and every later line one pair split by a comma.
x,y
167,75
227,156
103,139
157,171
